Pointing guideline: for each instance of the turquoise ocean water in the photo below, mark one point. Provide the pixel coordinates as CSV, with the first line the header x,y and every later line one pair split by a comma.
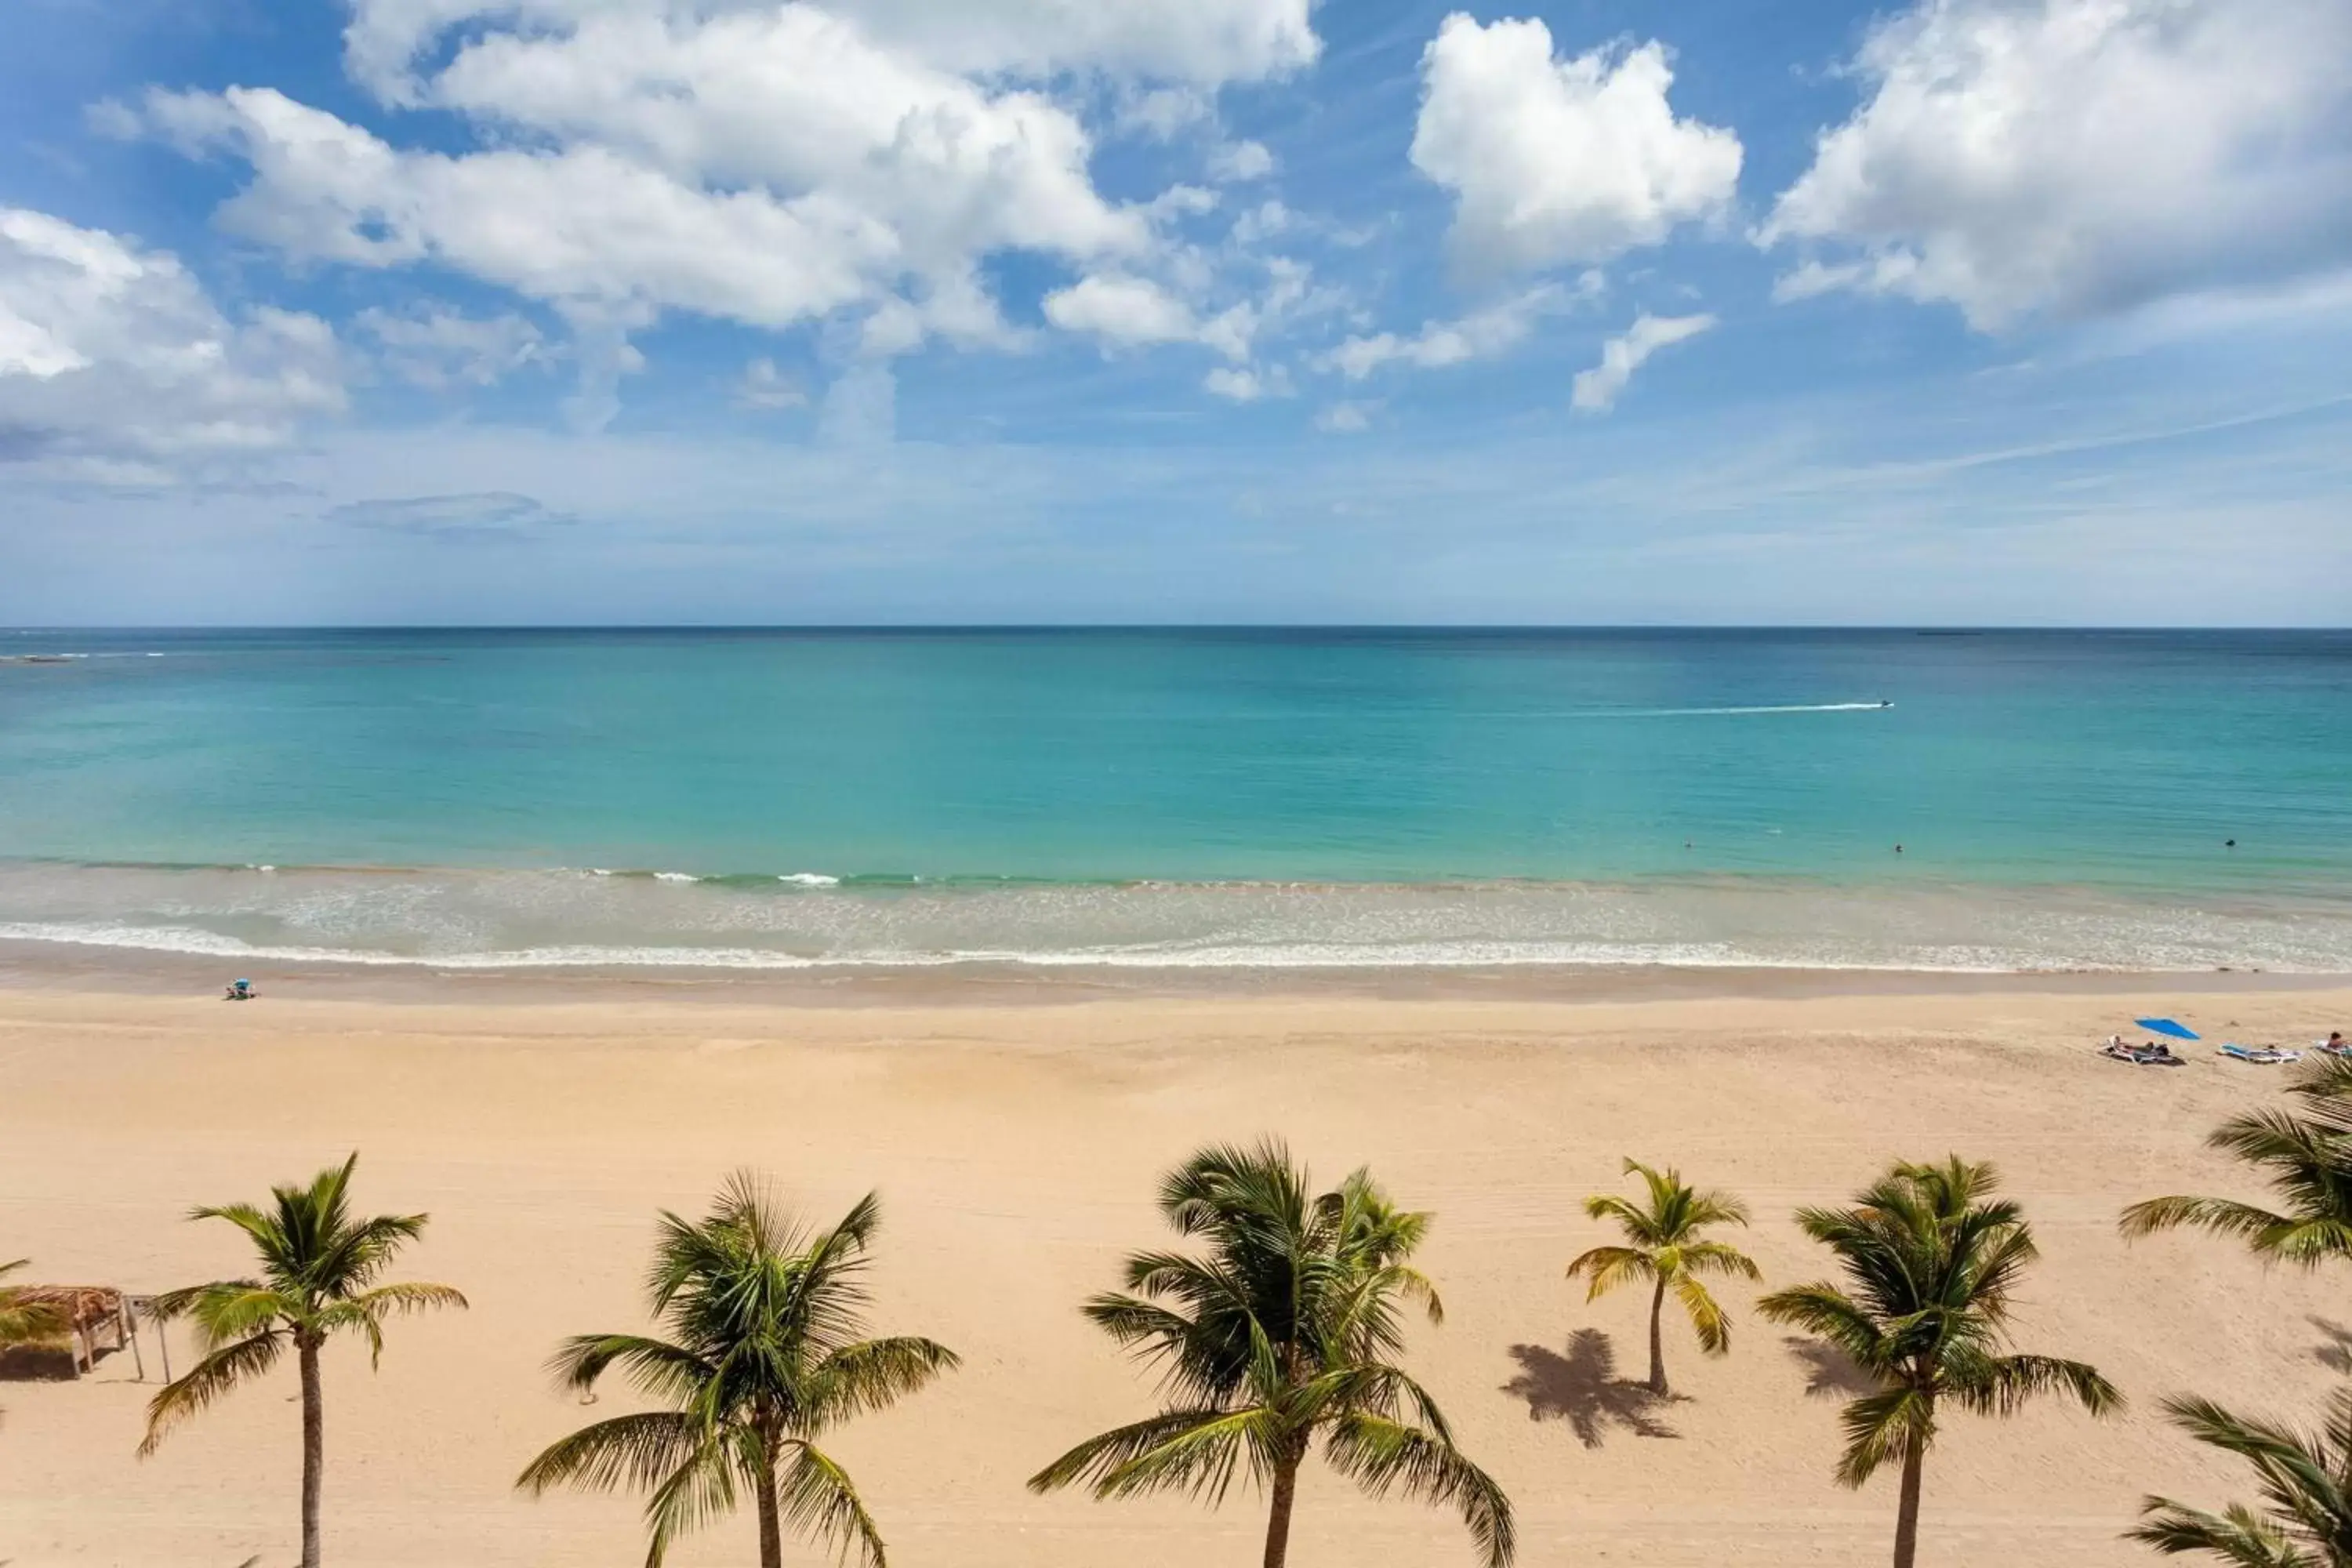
x,y
1251,799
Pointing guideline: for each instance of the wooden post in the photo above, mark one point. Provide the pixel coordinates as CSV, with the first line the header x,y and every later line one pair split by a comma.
x,y
127,1327
144,1307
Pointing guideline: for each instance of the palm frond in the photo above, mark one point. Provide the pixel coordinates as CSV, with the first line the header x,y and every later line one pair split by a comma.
x,y
1380,1455
1721,1259
1878,1428
660,1370
2012,1381
2307,1160
874,1376
1195,1451
2224,1216
367,1310
1372,1389
1134,1322
354,1255
227,1311
1407,1284
817,1498
635,1451
827,1297
2303,1478
1823,1310
701,1489
1628,1215
2247,1436
1714,1207
1706,1316
2311,1241
416,1296
1604,1269
2236,1535
205,1383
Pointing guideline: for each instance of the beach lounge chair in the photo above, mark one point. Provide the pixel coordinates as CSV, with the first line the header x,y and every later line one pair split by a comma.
x,y
2261,1056
2334,1044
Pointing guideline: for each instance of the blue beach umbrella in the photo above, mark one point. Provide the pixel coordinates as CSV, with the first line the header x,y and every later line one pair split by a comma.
x,y
2166,1026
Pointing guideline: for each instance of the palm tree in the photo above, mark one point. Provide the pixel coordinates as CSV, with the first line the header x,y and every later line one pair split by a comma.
x,y
766,1354
1287,1330
319,1269
22,1321
1666,1247
2306,1484
1930,1260
2308,1161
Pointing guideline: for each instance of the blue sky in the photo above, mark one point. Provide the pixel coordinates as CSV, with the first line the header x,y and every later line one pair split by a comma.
x,y
520,310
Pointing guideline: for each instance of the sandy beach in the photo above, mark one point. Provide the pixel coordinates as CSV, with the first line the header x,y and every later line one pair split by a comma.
x,y
1015,1143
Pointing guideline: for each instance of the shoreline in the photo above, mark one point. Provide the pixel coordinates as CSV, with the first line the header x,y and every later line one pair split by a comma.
x,y
45,967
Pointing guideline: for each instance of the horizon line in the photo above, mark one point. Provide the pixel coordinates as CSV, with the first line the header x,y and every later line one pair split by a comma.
x,y
1386,628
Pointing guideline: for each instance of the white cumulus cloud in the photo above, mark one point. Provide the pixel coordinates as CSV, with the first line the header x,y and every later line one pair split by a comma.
x,y
1557,162
1205,43
1122,309
1596,389
116,365
768,165
797,99
2074,157
581,228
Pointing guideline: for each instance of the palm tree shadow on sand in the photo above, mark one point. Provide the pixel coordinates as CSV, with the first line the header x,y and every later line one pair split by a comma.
x,y
2336,1355
1583,1388
1829,1372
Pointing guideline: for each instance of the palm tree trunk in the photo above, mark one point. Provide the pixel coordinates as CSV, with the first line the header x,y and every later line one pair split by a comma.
x,y
1657,1339
772,1529
314,1448
1277,1522
1907,1508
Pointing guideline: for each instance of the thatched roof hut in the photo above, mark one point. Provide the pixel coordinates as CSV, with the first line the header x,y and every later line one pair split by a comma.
x,y
84,1306
96,1319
